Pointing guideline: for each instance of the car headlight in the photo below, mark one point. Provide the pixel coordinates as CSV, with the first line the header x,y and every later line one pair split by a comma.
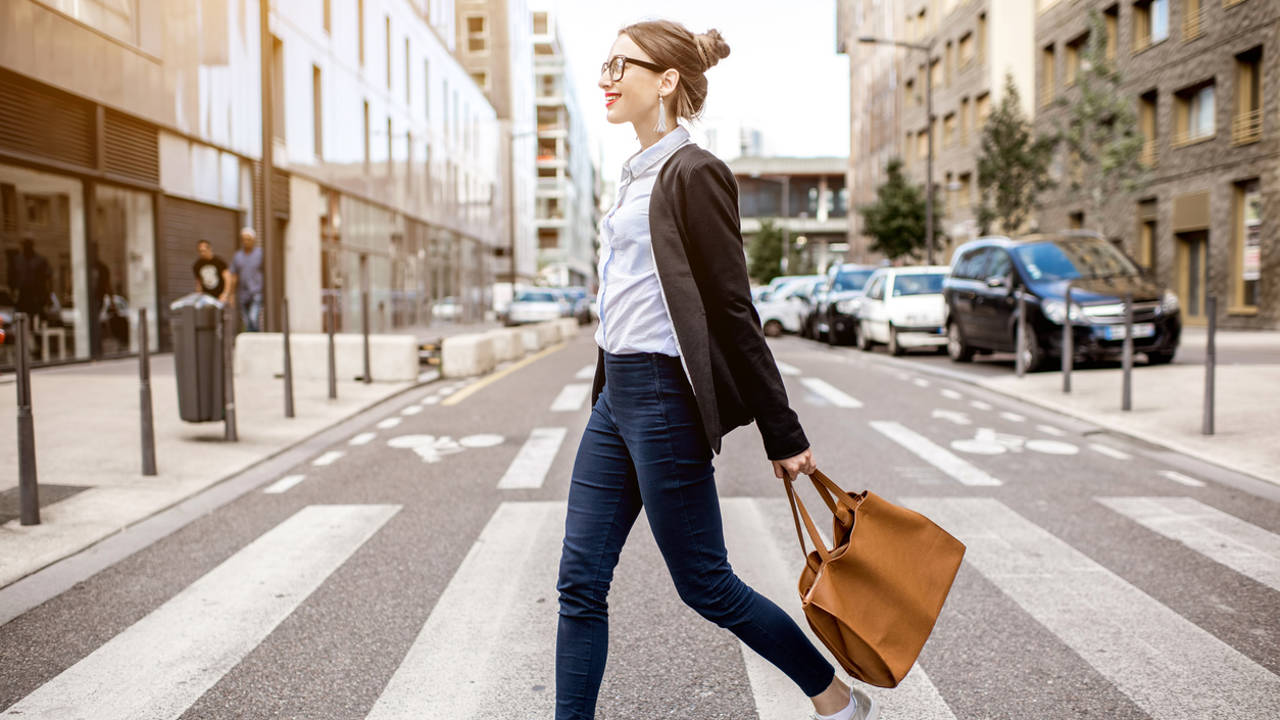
x,y
1055,311
1169,302
847,307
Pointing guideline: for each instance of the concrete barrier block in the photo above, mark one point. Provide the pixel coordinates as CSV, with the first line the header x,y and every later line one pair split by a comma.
x,y
568,328
392,358
531,338
507,344
466,355
548,333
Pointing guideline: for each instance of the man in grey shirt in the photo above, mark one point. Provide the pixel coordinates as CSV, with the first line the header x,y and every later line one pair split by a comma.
x,y
246,271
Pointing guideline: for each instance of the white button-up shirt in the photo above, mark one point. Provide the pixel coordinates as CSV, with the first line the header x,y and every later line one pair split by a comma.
x,y
633,311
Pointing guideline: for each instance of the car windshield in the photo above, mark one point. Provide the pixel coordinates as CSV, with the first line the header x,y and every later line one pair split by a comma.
x,y
1070,259
575,293
536,297
921,284
850,280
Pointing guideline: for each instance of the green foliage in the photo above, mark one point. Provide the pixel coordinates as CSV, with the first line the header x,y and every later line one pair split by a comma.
x,y
764,253
1013,167
1100,135
896,220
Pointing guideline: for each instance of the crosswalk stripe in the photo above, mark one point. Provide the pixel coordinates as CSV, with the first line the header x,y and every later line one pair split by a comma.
x,y
1110,451
388,423
489,639
362,439
1223,538
951,394
533,461
786,369
328,458
163,663
1152,654
283,484
1012,417
1180,478
571,397
830,393
586,373
758,533
935,455
979,405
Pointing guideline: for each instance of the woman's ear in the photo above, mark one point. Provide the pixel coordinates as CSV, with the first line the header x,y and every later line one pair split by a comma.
x,y
670,78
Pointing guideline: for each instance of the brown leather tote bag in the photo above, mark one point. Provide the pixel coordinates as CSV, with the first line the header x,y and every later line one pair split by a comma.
x,y
874,596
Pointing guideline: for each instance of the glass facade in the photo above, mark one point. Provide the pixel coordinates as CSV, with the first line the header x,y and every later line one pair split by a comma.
x,y
122,274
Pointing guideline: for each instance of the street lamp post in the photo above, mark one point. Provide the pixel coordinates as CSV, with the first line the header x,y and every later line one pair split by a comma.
x,y
928,112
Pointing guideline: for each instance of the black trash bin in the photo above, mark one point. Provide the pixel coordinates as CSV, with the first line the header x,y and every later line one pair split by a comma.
x,y
198,356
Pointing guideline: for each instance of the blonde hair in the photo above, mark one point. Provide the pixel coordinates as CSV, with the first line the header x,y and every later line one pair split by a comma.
x,y
671,45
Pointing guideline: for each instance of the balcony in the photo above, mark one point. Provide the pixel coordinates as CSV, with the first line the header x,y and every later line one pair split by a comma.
x,y
1246,127
1193,24
1191,137
1149,157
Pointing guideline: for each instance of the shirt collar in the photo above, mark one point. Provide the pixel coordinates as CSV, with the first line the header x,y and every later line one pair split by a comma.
x,y
644,159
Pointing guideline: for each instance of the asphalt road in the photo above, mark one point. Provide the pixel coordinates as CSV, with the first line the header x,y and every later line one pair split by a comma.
x,y
408,570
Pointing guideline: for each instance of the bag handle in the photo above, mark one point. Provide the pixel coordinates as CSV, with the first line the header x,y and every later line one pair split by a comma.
x,y
797,504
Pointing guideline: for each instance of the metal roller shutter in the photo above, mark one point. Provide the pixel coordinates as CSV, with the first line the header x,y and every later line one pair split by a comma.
x,y
182,224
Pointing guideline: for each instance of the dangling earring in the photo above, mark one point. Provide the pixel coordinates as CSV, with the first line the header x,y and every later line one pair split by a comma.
x,y
661,127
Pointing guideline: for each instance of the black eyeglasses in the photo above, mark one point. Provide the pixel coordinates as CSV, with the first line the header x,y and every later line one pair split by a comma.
x,y
617,65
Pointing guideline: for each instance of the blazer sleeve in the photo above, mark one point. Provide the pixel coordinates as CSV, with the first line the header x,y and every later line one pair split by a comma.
x,y
713,230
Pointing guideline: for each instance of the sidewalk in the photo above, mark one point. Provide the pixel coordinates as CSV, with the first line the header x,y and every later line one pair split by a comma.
x,y
1168,401
88,449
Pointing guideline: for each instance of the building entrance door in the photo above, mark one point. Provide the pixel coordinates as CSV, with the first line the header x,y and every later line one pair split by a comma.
x,y
1192,274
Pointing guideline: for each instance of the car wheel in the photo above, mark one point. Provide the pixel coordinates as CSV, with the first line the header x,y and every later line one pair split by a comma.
x,y
957,349
895,348
772,328
833,337
864,338
1159,358
1033,355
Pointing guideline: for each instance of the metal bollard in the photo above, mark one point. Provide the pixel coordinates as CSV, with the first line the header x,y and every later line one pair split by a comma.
x,y
1210,364
227,327
333,369
1020,336
1126,392
288,359
364,327
28,487
1068,345
144,396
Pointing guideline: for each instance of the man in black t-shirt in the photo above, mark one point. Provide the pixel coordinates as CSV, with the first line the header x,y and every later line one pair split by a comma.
x,y
212,276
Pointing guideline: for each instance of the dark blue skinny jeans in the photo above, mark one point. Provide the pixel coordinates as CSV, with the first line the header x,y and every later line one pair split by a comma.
x,y
644,447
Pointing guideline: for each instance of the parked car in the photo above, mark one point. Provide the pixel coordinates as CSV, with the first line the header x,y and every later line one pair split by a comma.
x,y
535,306
903,309
446,308
581,303
784,309
834,320
987,274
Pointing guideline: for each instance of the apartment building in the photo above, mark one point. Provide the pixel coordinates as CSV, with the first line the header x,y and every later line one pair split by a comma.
x,y
565,212
805,197
1202,75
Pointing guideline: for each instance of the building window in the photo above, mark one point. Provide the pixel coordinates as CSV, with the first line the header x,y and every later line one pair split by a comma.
x,y
982,39
910,99
1075,49
965,121
982,107
317,112
117,18
935,71
966,50
1047,74
408,99
389,138
540,23
1246,246
365,128
966,189
1246,126
1146,255
948,63
922,144
482,79
477,33
1111,20
1148,112
1193,12
1075,220
360,30
1195,118
949,130
387,42
1150,23
426,89
277,87
951,187
328,15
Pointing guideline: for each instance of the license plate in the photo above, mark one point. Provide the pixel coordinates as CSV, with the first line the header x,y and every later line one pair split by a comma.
x,y
1141,330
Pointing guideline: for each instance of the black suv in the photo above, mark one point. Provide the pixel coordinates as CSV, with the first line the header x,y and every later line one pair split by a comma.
x,y
981,297
834,315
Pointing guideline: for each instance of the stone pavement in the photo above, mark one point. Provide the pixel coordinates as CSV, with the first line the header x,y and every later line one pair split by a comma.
x,y
88,449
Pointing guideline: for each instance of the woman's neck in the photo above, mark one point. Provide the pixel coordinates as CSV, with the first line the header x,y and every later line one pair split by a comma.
x,y
648,136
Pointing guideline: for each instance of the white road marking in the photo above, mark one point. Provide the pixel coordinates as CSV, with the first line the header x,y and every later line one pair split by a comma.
x,y
446,391
1110,451
533,461
1148,651
763,550
388,423
160,665
979,405
1050,430
362,439
283,484
1052,447
1225,539
481,441
328,458
920,382
1180,478
571,397
430,448
586,373
487,641
411,410
1013,417
952,416
830,393
951,394
936,456
786,369
431,400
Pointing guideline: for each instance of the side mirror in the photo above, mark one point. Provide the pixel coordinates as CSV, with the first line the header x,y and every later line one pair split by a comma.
x,y
998,281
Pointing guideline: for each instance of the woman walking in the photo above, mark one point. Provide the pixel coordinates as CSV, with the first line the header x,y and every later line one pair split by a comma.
x,y
682,361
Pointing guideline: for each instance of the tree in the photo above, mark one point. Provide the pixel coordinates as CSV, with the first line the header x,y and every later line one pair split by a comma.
x,y
895,220
1100,136
764,253
1013,168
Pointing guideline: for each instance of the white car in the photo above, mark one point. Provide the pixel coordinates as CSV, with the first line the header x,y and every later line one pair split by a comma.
x,y
903,308
535,306
784,309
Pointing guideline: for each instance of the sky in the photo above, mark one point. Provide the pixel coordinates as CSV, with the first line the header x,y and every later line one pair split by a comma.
x,y
782,76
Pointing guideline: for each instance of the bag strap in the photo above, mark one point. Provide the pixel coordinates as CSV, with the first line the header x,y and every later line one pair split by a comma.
x,y
797,504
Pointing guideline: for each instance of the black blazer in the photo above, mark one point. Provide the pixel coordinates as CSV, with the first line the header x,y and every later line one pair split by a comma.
x,y
697,249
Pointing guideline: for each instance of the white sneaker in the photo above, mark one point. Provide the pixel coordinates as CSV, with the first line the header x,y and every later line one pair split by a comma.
x,y
867,707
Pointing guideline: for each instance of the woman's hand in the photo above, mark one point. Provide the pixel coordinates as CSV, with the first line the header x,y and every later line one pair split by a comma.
x,y
793,466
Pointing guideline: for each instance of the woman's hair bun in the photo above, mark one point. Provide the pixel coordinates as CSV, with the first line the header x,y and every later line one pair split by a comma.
x,y
711,48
